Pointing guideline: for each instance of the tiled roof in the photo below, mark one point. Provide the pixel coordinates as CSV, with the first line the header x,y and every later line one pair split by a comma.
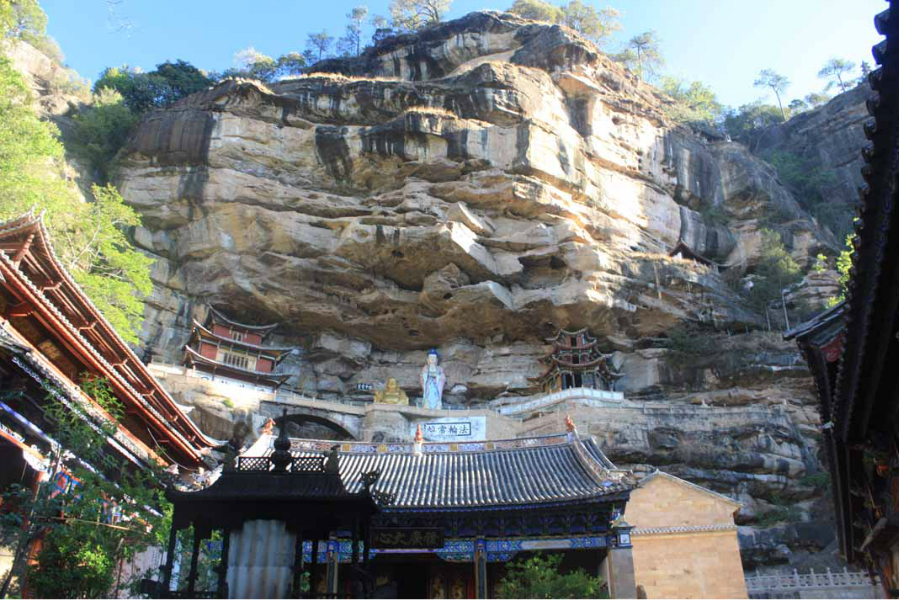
x,y
502,474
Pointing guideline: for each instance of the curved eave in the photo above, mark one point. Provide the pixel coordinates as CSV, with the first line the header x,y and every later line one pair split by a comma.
x,y
276,353
218,317
188,450
565,332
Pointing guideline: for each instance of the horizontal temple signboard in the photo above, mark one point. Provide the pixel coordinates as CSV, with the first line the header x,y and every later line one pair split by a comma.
x,y
453,429
425,538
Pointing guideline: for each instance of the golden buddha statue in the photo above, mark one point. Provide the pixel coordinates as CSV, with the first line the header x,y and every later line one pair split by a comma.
x,y
392,394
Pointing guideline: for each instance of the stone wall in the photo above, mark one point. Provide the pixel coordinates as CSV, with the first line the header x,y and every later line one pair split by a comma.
x,y
685,541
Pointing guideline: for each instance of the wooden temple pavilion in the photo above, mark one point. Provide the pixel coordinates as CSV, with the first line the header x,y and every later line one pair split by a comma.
x,y
451,515
266,508
225,348
575,361
853,350
51,337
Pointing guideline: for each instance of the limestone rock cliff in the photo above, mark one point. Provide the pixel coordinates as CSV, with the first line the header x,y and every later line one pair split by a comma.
x,y
474,188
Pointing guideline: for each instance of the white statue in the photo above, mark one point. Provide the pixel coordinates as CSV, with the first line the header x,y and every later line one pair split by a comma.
x,y
432,381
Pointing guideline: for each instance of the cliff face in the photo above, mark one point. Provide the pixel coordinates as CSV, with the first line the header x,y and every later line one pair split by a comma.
x,y
830,137
474,188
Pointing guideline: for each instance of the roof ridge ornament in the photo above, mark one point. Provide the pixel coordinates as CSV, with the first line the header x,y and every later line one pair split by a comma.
x,y
281,456
569,425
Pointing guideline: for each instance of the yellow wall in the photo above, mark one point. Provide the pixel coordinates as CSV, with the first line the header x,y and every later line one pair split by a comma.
x,y
689,564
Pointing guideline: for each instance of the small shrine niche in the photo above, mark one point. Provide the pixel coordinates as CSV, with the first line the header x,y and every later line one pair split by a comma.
x,y
576,362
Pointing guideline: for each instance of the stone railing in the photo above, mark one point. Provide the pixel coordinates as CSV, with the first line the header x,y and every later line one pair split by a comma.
x,y
778,586
512,406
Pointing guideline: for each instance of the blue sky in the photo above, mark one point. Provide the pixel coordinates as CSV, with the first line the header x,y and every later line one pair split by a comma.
x,y
723,43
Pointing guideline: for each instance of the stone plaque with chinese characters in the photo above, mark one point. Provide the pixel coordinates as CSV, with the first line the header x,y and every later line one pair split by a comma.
x,y
425,538
454,429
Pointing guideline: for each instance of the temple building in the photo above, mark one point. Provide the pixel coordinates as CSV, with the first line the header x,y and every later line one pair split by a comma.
x,y
575,361
440,520
852,349
228,349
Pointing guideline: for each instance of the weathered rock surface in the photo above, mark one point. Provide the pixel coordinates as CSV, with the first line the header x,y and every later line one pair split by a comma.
x,y
475,188
831,136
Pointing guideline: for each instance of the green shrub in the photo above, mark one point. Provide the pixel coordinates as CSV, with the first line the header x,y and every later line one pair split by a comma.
x,y
776,270
540,577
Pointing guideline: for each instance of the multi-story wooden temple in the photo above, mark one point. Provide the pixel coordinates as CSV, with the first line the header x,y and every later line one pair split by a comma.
x,y
436,520
226,348
852,350
575,361
51,338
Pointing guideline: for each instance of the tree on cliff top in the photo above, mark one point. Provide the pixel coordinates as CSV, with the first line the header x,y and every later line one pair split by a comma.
x,y
694,102
141,92
351,43
597,25
778,84
318,44
89,237
834,70
412,15
642,55
23,20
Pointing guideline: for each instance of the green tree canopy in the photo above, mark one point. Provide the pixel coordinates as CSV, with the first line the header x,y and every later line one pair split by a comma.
x,y
412,15
642,55
89,237
694,102
249,63
538,10
744,123
23,20
835,70
81,543
351,42
319,44
816,99
595,24
540,577
141,92
777,83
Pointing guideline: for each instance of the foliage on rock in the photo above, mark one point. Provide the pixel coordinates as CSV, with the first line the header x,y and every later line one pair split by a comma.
x,y
775,271
101,130
811,185
693,102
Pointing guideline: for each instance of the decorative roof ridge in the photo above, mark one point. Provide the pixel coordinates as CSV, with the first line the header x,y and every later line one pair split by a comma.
x,y
683,482
241,342
356,447
114,334
264,375
682,529
825,318
215,313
